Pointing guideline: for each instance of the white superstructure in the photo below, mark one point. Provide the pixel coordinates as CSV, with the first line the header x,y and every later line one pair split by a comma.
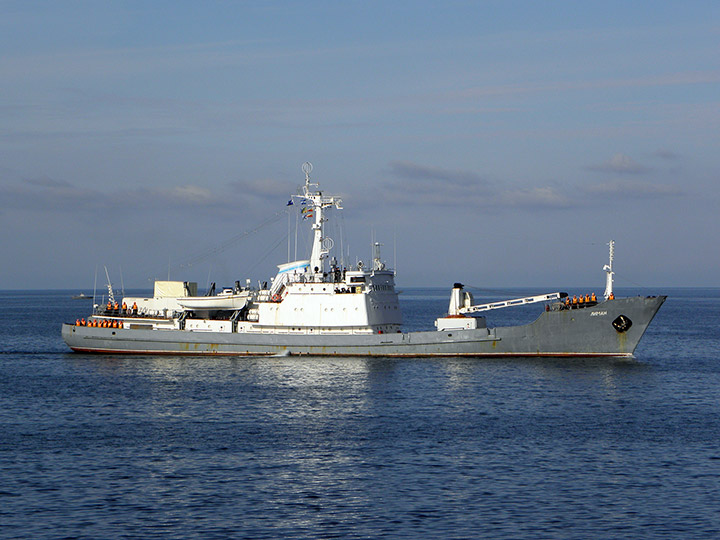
x,y
311,296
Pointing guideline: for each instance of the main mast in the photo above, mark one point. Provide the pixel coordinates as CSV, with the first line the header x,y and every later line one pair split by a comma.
x,y
315,203
609,270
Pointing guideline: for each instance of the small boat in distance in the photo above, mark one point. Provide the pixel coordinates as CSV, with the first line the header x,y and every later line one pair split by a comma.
x,y
82,296
320,306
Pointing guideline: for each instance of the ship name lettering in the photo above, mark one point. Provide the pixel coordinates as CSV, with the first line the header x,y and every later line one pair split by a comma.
x,y
598,313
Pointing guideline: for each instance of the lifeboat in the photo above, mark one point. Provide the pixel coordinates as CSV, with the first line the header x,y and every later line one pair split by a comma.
x,y
226,300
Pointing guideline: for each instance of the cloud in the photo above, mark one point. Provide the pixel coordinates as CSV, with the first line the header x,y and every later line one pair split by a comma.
x,y
47,182
421,185
668,155
619,163
544,197
415,184
412,171
46,194
622,189
190,194
59,196
268,189
667,79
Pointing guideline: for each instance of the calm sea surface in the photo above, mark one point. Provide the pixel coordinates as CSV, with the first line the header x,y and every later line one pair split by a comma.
x,y
175,447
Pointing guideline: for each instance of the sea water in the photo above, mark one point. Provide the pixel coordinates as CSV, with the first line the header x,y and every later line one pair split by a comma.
x,y
108,446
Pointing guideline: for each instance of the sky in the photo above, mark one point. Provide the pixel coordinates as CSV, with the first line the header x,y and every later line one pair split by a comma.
x,y
495,143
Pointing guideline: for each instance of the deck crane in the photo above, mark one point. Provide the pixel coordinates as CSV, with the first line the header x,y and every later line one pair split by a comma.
x,y
461,304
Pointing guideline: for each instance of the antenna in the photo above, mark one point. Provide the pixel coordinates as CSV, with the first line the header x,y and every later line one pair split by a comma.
x,y
95,287
111,295
395,252
297,220
307,169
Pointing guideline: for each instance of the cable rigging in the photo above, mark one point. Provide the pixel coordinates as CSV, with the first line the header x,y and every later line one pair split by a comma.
x,y
227,244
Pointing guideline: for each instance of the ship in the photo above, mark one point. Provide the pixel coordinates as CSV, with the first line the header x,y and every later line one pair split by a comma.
x,y
317,307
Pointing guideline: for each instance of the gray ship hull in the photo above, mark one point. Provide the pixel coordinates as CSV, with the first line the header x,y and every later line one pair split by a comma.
x,y
578,332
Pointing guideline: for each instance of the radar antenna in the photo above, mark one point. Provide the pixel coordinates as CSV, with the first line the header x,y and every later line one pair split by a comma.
x,y
307,169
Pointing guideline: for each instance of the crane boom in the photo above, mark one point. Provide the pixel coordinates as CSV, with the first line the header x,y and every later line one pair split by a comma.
x,y
513,302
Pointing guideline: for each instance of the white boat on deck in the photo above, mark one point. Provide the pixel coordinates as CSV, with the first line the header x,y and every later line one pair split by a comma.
x,y
226,300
